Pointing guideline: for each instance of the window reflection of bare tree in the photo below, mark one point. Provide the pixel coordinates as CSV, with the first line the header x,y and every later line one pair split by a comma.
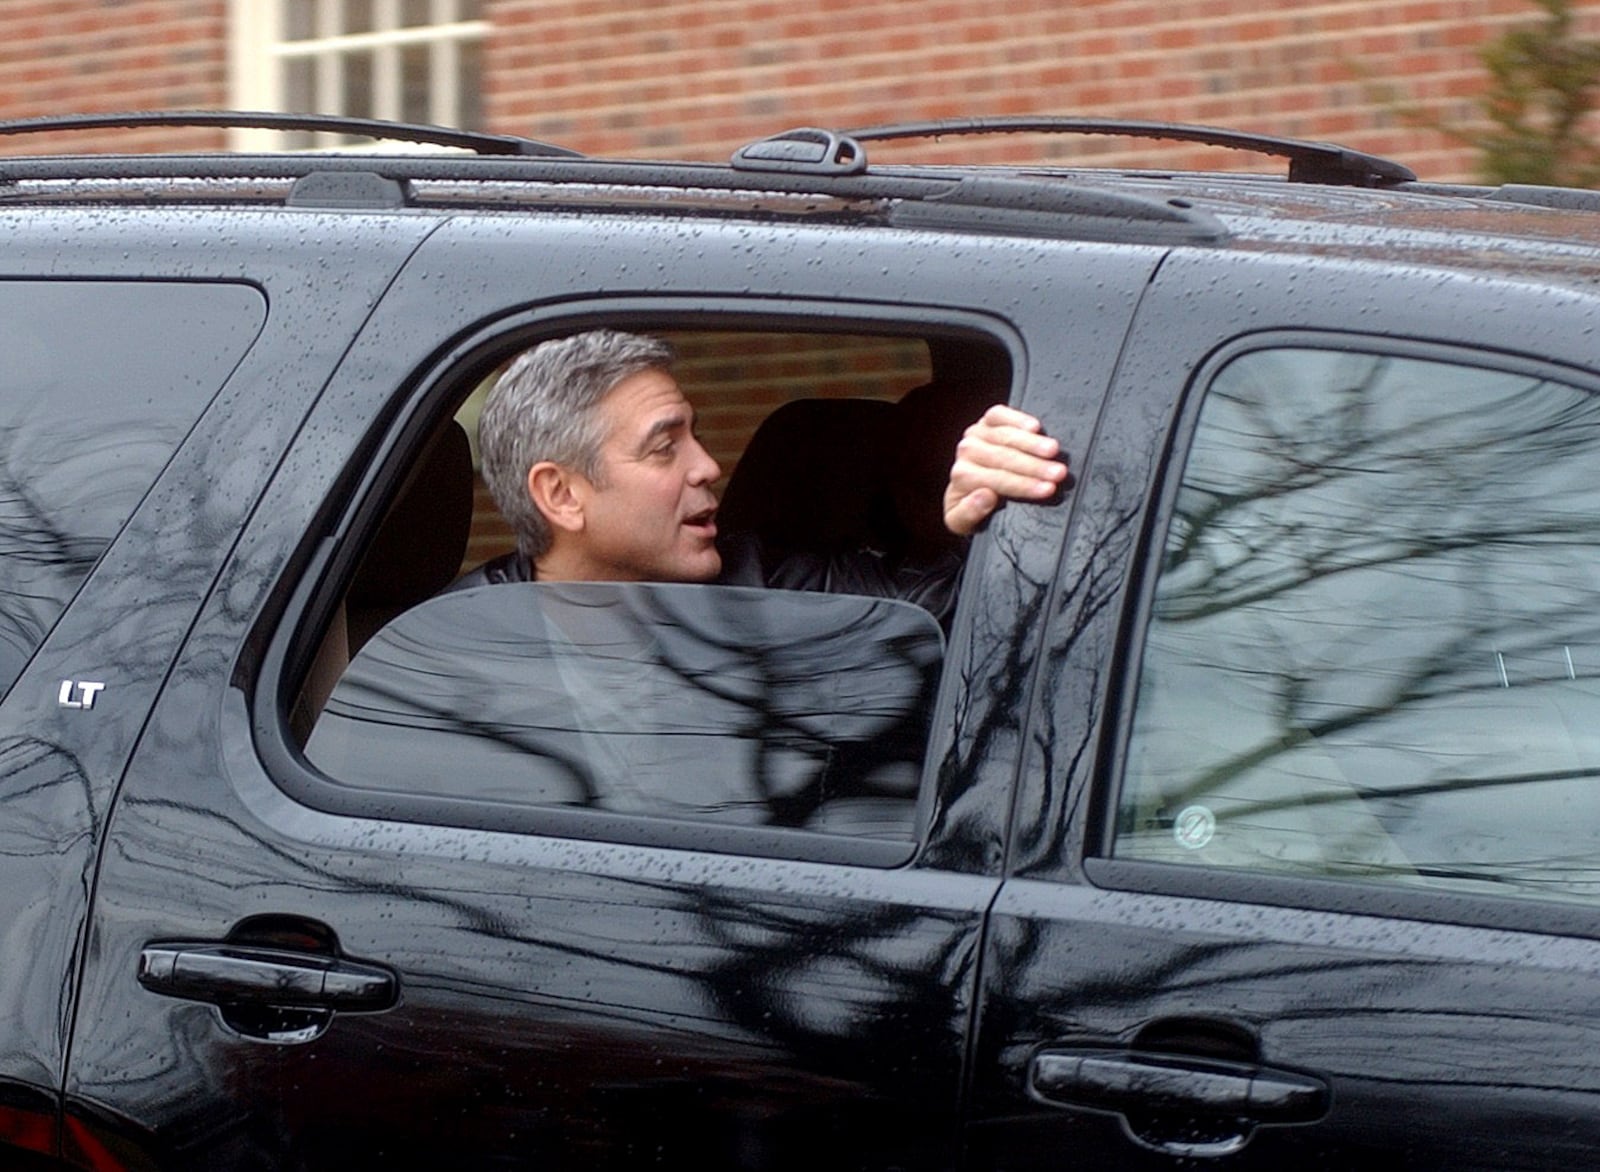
x,y
857,723
687,701
45,557
1373,562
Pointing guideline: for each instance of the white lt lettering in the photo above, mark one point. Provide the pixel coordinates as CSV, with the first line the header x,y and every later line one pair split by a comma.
x,y
78,694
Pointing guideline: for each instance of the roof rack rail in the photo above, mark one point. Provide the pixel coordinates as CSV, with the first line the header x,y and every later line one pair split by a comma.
x,y
1309,162
376,128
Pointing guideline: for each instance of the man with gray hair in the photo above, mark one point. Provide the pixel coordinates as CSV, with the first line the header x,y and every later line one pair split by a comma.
x,y
589,450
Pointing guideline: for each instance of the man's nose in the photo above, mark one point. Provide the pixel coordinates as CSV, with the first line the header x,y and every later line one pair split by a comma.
x,y
704,469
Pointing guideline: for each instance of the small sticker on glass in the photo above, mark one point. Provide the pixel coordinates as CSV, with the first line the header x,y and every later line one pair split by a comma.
x,y
1196,826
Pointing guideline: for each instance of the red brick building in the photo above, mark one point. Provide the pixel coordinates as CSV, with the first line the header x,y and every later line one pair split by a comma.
x,y
696,78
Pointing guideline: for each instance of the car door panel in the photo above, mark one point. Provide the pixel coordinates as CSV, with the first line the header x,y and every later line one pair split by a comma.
x,y
99,507
1400,1022
1154,1011
585,1003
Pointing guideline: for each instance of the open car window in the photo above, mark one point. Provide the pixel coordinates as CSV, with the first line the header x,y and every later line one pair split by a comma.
x,y
788,705
702,703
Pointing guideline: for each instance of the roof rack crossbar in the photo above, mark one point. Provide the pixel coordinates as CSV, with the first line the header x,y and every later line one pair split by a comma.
x,y
1309,162
376,128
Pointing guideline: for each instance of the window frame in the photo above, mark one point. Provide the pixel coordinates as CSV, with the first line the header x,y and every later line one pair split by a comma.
x,y
354,511
259,53
1283,889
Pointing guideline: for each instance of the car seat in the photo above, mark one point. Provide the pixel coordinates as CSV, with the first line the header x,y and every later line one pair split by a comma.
x,y
814,476
419,546
415,553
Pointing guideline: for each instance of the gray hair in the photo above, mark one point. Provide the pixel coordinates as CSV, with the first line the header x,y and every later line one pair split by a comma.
x,y
545,407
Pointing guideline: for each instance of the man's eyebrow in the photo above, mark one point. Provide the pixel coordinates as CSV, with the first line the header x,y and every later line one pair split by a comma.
x,y
677,421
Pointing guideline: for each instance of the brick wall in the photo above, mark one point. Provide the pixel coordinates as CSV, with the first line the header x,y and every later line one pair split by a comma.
x,y
696,78
67,56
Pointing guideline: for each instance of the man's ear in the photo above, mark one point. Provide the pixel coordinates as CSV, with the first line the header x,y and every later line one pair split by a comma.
x,y
558,493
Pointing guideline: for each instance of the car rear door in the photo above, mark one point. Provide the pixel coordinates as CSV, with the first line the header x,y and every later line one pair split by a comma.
x,y
89,417
580,991
133,436
1302,867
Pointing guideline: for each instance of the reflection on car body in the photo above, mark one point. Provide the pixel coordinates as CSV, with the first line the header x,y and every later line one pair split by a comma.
x,y
1238,813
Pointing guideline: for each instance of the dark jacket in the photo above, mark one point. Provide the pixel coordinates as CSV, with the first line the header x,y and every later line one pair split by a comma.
x,y
930,583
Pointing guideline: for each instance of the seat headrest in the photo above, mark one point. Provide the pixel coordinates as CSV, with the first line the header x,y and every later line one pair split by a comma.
x,y
813,475
420,545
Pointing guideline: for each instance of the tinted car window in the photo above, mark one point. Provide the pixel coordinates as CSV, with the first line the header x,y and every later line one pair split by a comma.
x,y
708,703
1374,648
100,383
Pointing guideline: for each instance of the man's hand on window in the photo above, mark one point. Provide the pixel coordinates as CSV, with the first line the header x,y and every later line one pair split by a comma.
x,y
1004,456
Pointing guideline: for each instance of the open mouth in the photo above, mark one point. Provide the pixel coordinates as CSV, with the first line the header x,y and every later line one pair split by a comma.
x,y
705,521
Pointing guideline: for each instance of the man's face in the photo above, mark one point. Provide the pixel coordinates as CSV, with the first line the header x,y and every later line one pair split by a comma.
x,y
651,516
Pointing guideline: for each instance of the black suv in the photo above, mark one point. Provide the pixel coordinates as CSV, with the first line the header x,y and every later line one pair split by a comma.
x,y
1244,813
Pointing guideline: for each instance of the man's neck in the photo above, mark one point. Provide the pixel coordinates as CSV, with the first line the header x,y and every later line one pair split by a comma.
x,y
558,565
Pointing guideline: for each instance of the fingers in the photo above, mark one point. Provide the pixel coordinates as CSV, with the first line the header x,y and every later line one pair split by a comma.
x,y
1011,444
1003,456
968,513
1014,428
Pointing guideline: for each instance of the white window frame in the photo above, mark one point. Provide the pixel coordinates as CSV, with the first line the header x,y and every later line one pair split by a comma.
x,y
258,52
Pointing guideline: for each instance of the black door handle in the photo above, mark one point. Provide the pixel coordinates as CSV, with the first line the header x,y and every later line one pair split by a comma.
x,y
1178,1104
1125,1081
241,975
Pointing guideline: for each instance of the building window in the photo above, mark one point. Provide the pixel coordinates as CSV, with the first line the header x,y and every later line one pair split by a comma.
x,y
405,60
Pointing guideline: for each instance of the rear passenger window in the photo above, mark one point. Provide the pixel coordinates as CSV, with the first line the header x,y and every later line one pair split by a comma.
x,y
1374,646
100,383
790,696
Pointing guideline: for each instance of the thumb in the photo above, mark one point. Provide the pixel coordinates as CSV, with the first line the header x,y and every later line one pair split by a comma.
x,y
967,515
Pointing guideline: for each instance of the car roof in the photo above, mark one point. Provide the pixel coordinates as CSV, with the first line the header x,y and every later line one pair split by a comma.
x,y
1547,235
1331,202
